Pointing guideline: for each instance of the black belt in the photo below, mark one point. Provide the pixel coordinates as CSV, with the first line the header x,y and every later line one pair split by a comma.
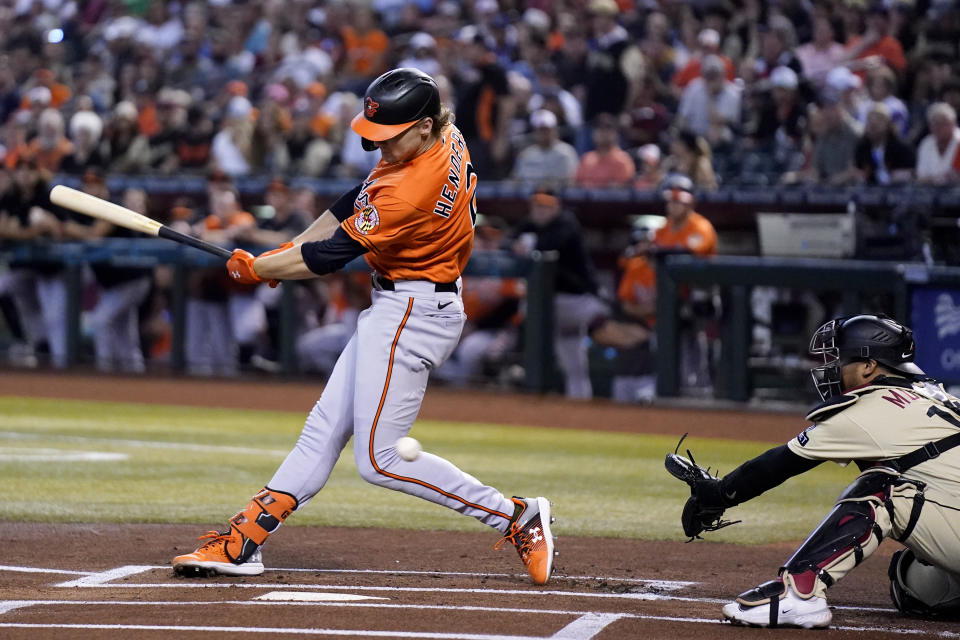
x,y
386,284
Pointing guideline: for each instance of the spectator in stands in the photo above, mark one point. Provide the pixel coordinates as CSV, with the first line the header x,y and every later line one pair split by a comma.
x,y
614,67
365,47
193,146
710,106
607,165
709,45
833,150
881,156
86,128
422,54
777,40
938,158
172,107
881,86
550,94
778,126
876,43
650,173
647,118
658,48
231,145
484,103
128,151
548,157
821,54
847,88
50,146
690,156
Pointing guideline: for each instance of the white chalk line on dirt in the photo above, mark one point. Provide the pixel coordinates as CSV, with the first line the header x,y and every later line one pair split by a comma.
x,y
7,567
664,585
363,633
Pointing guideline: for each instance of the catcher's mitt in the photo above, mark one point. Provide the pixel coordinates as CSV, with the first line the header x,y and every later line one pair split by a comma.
x,y
704,508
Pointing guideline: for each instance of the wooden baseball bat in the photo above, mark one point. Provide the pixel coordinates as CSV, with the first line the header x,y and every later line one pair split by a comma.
x,y
122,217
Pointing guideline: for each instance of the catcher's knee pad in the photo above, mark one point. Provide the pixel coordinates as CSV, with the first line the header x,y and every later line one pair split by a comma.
x,y
922,589
264,515
849,534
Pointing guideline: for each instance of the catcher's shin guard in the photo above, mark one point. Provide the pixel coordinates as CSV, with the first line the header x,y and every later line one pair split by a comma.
x,y
264,515
849,534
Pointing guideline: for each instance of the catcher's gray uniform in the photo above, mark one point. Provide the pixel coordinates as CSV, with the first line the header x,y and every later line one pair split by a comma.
x,y
889,420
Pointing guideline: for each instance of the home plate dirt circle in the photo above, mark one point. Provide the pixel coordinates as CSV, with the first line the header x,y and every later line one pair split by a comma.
x,y
114,581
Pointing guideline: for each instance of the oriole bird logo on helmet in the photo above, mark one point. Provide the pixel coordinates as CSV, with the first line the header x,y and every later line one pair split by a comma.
x,y
370,107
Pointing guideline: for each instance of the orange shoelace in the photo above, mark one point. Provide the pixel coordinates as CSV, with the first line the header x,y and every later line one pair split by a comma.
x,y
216,536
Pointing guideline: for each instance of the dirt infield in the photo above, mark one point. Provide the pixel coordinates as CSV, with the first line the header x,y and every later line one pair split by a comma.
x,y
114,581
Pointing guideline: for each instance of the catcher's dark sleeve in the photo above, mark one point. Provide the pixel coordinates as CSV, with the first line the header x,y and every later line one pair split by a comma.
x,y
331,254
763,473
343,207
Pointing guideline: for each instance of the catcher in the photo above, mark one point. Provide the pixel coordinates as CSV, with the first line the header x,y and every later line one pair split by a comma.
x,y
902,430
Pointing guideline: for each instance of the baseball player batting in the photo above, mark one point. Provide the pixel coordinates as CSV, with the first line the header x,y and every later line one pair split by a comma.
x,y
412,218
901,428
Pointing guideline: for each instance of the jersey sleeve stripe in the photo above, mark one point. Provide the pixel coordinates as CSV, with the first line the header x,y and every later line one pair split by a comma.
x,y
376,419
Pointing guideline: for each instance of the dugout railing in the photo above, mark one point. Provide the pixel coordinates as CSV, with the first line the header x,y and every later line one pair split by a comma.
x,y
538,271
905,284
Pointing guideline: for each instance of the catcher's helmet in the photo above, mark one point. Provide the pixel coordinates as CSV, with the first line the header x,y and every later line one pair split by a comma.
x,y
863,337
394,102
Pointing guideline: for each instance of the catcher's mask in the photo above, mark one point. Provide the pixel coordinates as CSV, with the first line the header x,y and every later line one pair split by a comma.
x,y
859,338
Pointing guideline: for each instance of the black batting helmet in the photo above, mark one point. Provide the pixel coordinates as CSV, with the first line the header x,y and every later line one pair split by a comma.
x,y
394,102
862,337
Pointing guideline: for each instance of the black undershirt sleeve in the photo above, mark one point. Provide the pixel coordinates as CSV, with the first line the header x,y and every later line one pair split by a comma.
x,y
763,473
331,254
343,207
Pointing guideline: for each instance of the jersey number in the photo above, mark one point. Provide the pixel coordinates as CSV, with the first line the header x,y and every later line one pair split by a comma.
x,y
932,411
471,179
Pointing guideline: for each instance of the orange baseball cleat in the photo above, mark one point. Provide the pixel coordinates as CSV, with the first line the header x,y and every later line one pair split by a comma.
x,y
212,559
529,531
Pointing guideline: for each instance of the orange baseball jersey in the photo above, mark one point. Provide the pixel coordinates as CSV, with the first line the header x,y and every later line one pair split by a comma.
x,y
416,218
696,234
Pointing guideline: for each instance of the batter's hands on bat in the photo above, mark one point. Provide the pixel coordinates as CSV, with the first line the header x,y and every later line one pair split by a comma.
x,y
706,504
286,245
240,267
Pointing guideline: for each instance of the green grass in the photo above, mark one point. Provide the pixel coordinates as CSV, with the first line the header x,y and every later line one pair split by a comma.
x,y
201,465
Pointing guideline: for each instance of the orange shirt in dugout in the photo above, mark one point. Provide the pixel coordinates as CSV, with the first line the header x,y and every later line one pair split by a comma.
x,y
696,234
416,218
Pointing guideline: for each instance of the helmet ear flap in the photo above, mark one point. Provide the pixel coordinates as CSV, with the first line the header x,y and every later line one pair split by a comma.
x,y
367,145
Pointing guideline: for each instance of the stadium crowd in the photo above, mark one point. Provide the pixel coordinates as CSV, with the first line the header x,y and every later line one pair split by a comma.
x,y
595,93
599,92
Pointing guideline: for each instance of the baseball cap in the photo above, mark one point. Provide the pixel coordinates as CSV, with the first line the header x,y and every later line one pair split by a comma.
x,y
649,153
422,40
709,38
842,79
543,119
784,78
604,7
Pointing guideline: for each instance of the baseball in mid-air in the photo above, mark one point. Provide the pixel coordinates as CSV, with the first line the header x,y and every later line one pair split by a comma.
x,y
408,448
